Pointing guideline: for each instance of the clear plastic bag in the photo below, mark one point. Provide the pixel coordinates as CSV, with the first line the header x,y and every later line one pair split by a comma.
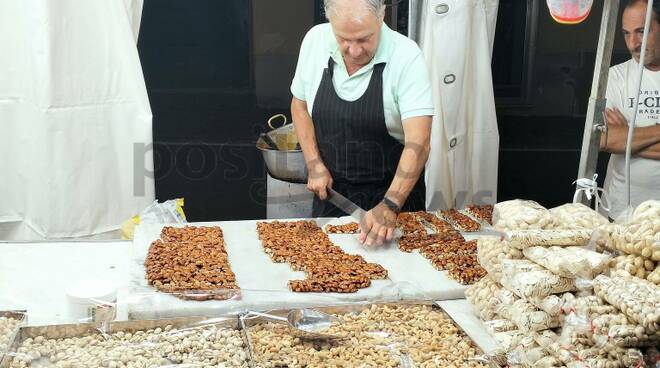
x,y
637,266
522,239
647,210
520,214
577,216
529,318
168,212
640,238
500,325
636,298
569,262
490,253
482,297
527,279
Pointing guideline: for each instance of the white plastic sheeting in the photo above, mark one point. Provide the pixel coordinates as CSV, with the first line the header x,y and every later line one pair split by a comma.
x,y
73,110
456,37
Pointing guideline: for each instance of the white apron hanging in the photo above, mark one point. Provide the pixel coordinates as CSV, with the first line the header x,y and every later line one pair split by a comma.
x,y
75,120
456,37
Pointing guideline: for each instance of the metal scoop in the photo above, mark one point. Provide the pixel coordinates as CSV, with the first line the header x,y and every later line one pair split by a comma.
x,y
307,323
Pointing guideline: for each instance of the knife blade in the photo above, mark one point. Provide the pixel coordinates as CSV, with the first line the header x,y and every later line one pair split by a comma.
x,y
346,205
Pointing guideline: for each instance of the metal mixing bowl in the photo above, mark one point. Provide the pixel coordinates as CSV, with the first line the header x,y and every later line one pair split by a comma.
x,y
287,165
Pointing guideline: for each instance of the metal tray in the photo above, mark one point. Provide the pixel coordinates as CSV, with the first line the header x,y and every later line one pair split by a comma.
x,y
86,329
19,315
247,324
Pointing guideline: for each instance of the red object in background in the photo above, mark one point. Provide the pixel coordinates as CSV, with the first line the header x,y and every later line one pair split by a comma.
x,y
569,11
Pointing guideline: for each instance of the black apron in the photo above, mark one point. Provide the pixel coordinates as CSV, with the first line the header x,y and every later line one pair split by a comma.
x,y
356,147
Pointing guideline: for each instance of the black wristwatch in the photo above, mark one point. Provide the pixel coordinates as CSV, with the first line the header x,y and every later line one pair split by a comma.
x,y
391,205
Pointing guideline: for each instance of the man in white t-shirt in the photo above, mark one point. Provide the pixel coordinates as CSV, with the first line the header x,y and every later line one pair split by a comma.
x,y
362,108
621,85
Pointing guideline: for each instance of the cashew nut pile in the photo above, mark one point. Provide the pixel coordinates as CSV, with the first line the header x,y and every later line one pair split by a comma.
x,y
569,262
193,347
522,215
577,216
381,336
636,298
8,328
305,247
192,263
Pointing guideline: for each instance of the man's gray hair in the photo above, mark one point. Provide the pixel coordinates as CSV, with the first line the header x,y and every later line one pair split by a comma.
x,y
377,7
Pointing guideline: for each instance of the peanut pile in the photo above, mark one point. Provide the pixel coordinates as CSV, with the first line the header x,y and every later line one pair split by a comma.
x,y
191,263
381,336
305,247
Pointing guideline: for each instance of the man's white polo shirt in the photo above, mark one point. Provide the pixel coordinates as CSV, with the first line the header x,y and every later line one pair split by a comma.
x,y
406,85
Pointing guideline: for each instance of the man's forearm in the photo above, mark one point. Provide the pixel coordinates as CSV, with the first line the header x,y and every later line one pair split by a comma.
x,y
651,152
614,141
304,127
412,162
413,159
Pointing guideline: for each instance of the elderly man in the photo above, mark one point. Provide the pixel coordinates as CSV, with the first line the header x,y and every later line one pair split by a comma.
x,y
362,107
621,93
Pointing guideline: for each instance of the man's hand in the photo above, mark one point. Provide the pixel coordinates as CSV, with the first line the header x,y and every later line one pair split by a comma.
x,y
319,180
614,117
378,225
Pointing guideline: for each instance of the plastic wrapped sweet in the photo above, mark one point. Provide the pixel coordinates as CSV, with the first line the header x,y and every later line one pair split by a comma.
x,y
490,253
569,262
577,216
522,239
636,298
509,339
499,325
529,318
520,214
555,305
539,283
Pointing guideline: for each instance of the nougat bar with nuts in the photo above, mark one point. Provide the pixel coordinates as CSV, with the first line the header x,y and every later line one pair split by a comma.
x,y
482,212
191,263
460,220
305,247
349,228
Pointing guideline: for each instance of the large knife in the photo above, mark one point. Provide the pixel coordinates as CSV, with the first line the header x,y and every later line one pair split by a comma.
x,y
346,205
